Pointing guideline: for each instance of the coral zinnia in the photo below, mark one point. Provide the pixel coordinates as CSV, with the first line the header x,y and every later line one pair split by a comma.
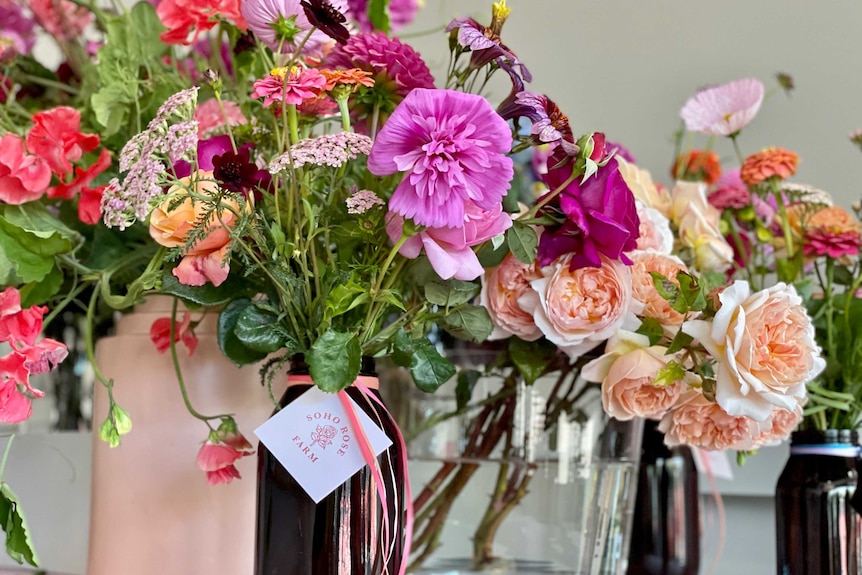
x,y
767,163
396,67
451,147
697,166
723,110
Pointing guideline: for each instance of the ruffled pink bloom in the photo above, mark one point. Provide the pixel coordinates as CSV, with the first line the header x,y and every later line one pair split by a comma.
x,y
19,327
644,291
654,233
160,334
55,137
296,86
723,110
451,147
449,249
16,29
698,422
210,118
187,19
730,192
63,20
401,13
23,177
779,427
198,269
263,17
217,459
502,287
820,242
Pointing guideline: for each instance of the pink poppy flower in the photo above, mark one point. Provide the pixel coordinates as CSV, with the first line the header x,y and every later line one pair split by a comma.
x,y
55,138
451,147
293,86
723,110
449,249
160,334
23,177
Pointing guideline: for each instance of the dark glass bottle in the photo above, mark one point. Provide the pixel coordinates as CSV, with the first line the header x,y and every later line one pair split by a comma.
x,y
666,526
343,533
818,530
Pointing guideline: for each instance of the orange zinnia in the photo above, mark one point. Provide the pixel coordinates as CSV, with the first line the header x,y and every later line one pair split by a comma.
x,y
698,165
353,76
768,163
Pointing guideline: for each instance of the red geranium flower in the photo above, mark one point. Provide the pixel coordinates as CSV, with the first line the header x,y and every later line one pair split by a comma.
x,y
55,138
89,199
185,17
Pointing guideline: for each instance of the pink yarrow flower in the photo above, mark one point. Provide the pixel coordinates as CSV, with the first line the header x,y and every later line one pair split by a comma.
x,y
451,147
360,201
333,150
723,110
292,86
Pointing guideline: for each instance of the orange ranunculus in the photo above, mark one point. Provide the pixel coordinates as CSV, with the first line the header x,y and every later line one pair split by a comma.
x,y
698,166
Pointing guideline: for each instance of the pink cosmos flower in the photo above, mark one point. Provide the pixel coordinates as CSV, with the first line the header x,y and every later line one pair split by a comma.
x,y
730,192
627,372
401,13
293,86
723,110
62,19
160,334
578,309
55,137
265,17
451,147
698,422
211,119
23,177
502,287
449,249
764,347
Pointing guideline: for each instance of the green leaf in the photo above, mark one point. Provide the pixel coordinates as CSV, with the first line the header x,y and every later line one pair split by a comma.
x,y
451,293
402,352
109,105
229,343
469,322
206,295
491,258
531,357
429,369
842,275
467,379
19,546
40,292
378,15
651,328
691,292
147,28
343,298
669,374
259,330
334,360
523,242
665,287
35,218
27,264
680,341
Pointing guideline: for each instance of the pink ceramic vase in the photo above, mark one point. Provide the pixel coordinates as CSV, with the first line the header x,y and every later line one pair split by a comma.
x,y
152,510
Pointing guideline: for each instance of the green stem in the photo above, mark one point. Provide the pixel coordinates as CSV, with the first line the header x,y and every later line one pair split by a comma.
x,y
548,197
375,118
736,149
785,223
378,282
293,121
6,455
89,337
345,114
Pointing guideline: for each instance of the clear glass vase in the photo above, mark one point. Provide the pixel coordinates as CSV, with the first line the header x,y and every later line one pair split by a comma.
x,y
524,479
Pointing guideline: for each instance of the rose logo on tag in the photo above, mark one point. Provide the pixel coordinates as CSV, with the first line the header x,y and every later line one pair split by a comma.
x,y
323,436
299,435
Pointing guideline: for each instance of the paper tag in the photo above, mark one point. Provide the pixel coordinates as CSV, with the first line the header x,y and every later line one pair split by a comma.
x,y
313,439
715,462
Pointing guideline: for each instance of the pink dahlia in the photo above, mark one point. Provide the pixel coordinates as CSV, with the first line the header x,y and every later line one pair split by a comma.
x,y
396,67
451,147
401,13
284,23
723,110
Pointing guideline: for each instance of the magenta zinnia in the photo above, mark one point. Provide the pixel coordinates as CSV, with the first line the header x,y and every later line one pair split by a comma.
x,y
451,147
723,110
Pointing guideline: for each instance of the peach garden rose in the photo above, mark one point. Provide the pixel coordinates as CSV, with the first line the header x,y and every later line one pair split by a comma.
x,y
698,227
764,348
501,289
643,287
578,309
698,422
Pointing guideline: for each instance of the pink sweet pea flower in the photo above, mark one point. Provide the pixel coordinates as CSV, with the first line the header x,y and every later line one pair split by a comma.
x,y
160,334
23,177
55,138
222,449
451,148
449,249
187,19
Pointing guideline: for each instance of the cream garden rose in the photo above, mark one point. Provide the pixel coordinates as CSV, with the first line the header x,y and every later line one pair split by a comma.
x,y
654,231
764,348
644,189
698,227
501,289
578,309
627,372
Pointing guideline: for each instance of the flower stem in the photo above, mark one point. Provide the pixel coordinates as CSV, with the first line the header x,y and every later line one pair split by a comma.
x,y
6,455
736,149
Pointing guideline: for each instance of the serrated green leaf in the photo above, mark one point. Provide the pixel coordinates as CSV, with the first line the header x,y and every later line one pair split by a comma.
x,y
451,293
343,298
651,328
523,242
429,369
147,28
334,360
680,341
467,379
469,322
110,106
531,357
229,343
19,546
258,330
669,375
378,15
